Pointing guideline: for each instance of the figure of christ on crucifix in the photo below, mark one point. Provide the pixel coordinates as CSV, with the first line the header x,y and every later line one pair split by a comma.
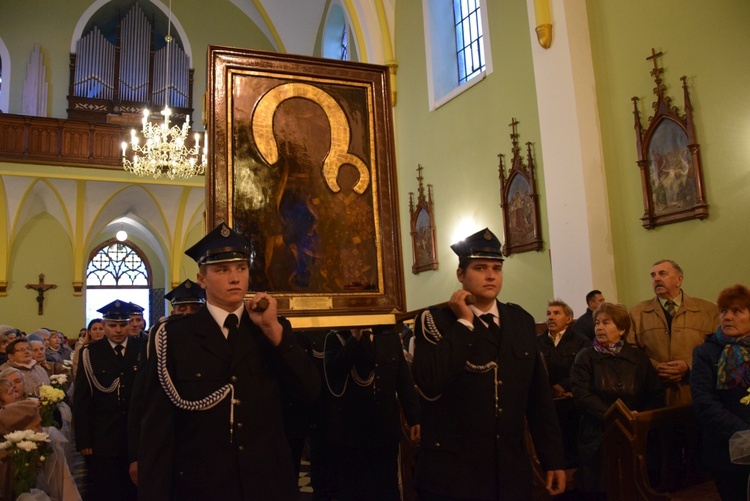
x,y
41,288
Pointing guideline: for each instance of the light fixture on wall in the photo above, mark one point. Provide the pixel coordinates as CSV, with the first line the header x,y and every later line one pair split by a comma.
x,y
165,152
121,235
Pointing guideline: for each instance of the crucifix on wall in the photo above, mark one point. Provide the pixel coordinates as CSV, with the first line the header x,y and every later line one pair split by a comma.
x,y
41,288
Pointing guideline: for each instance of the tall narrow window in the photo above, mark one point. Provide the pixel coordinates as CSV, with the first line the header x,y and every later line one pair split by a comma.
x,y
117,271
345,44
457,46
469,49
337,42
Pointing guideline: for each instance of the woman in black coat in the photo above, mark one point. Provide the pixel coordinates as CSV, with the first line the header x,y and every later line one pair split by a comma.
x,y
719,380
609,370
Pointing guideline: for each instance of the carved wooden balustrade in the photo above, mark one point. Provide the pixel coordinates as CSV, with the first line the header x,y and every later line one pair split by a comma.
x,y
53,141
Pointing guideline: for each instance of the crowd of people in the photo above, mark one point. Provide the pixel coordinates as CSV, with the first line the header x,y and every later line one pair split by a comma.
x,y
221,399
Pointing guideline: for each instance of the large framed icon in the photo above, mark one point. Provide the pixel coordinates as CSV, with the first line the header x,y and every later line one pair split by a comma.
x,y
302,163
669,158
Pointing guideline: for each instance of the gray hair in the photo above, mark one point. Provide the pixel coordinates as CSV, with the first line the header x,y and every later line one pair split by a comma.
x,y
673,263
562,304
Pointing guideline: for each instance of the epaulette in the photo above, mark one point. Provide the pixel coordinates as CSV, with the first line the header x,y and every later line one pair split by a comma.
x,y
429,329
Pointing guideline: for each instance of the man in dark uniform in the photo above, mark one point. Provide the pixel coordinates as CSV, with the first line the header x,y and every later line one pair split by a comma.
x,y
137,323
368,374
101,400
212,426
323,477
185,299
481,378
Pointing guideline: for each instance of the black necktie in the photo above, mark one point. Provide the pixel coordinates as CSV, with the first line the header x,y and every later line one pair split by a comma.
x,y
231,324
118,351
489,319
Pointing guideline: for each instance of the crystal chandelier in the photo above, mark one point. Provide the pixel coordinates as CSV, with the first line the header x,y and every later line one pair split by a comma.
x,y
165,152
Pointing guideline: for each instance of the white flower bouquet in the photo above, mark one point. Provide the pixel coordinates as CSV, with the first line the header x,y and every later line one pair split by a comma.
x,y
58,380
26,449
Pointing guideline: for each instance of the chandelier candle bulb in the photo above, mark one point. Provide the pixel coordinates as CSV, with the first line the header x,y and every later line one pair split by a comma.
x,y
166,151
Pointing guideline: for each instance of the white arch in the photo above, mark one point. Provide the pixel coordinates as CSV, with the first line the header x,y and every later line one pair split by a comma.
x,y
84,19
5,94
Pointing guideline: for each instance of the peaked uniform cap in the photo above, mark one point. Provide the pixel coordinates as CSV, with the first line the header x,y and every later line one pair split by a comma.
x,y
481,245
136,309
117,310
188,292
220,245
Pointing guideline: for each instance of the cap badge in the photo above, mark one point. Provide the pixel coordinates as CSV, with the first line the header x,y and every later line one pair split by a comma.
x,y
224,231
487,235
117,304
188,285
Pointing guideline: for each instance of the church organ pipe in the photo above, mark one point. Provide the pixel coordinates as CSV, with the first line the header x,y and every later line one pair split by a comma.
x,y
129,71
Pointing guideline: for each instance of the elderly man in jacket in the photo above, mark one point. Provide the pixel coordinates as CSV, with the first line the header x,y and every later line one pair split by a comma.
x,y
668,327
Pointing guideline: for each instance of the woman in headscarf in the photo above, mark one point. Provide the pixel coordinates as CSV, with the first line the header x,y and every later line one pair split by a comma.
x,y
607,371
719,380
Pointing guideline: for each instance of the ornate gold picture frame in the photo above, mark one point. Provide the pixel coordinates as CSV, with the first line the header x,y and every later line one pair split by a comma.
x,y
303,165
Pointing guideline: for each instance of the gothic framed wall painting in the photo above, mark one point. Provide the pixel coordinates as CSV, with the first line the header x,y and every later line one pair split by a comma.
x,y
669,159
519,200
303,165
422,218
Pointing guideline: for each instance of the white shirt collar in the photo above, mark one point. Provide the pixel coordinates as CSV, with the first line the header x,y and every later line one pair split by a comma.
x,y
493,309
557,337
220,315
124,343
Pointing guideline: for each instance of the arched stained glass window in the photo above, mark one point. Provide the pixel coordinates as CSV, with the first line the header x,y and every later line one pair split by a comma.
x,y
118,270
117,265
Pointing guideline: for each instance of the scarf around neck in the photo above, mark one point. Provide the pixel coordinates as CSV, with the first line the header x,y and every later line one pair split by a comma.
x,y
733,368
612,349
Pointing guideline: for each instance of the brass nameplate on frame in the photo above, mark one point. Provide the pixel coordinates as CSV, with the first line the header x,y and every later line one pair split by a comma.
x,y
311,303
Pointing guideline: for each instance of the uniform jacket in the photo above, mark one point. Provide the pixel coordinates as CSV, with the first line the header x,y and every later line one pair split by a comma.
x,y
472,445
101,418
187,454
366,412
693,320
559,359
598,380
718,412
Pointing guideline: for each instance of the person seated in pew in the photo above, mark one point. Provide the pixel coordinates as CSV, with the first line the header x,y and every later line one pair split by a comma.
x,y
559,346
719,383
16,414
609,370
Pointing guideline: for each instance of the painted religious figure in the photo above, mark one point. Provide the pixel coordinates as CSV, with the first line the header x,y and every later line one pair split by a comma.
x,y
671,165
519,200
302,165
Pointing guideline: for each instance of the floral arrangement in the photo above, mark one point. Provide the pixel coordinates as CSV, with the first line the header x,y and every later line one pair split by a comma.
x,y
26,449
58,380
49,397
